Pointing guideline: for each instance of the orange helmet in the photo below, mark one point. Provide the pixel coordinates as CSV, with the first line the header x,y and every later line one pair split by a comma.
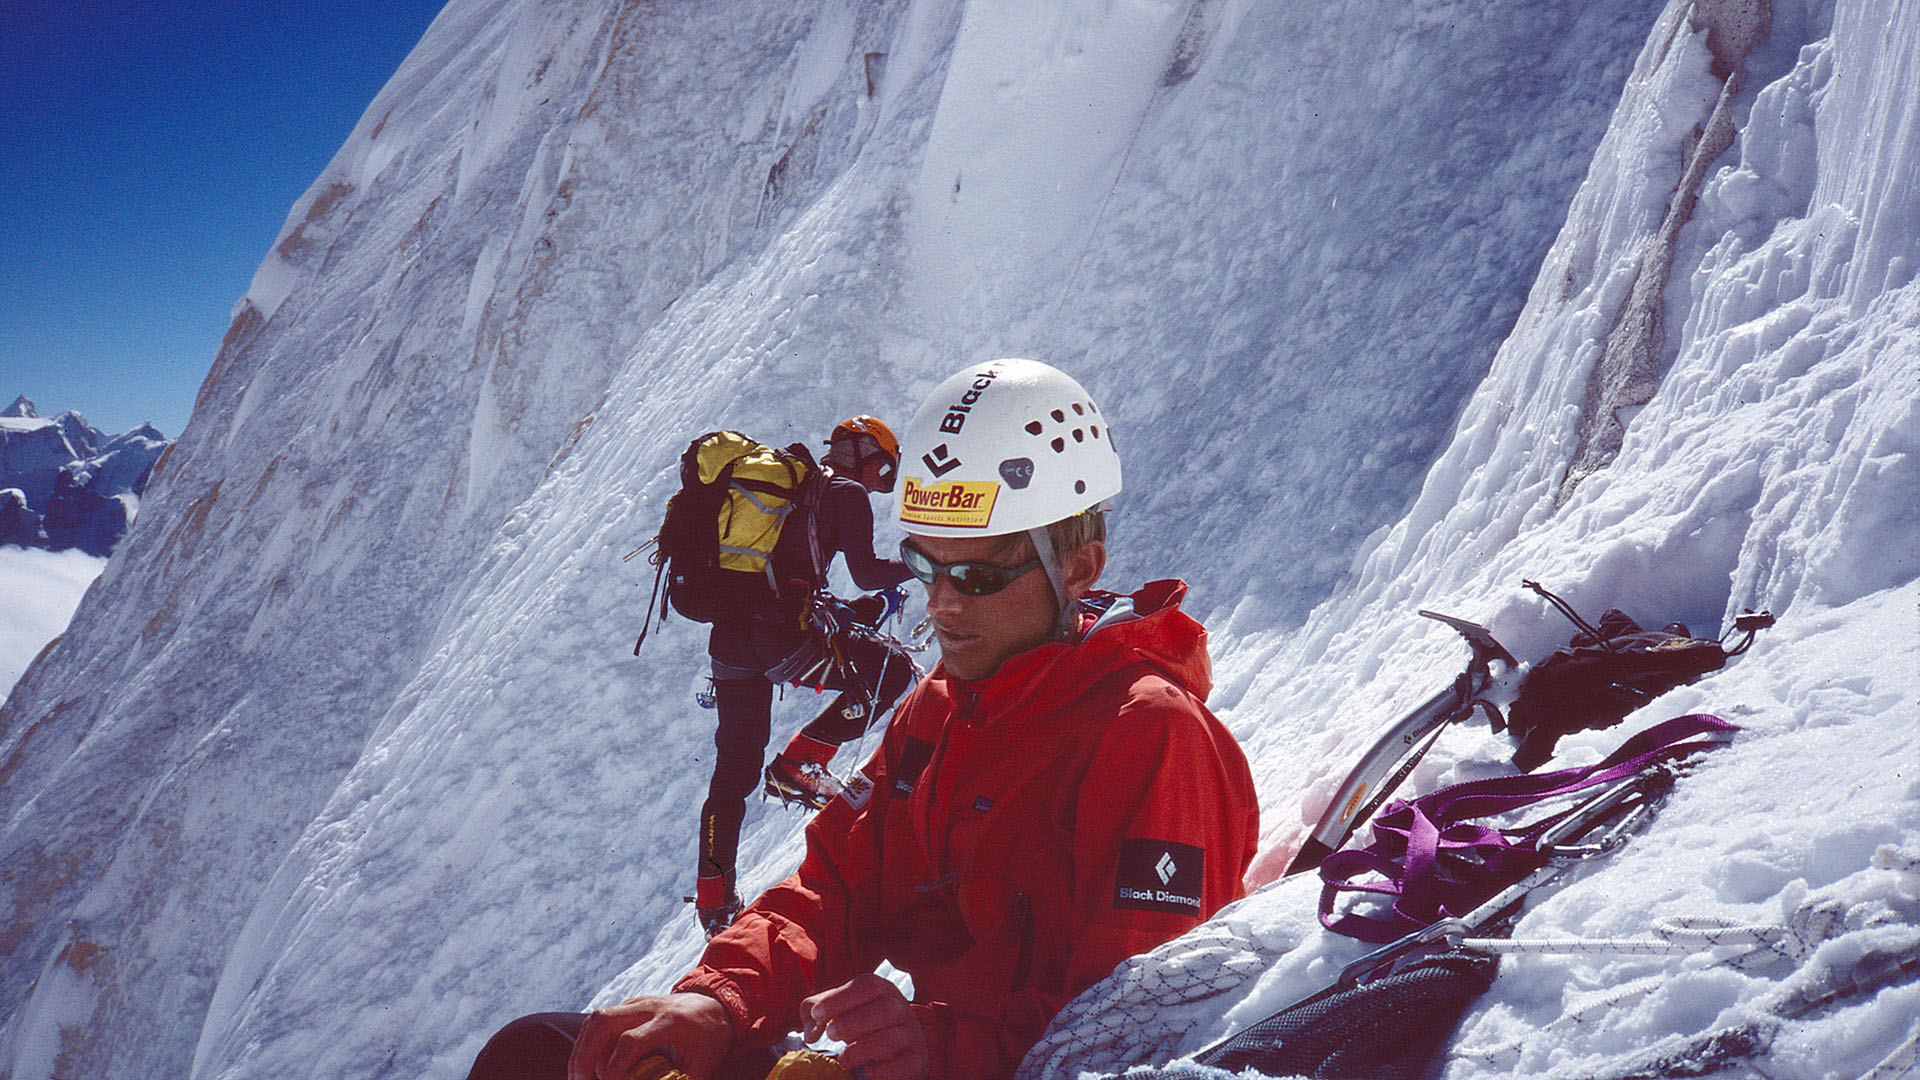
x,y
855,426
876,451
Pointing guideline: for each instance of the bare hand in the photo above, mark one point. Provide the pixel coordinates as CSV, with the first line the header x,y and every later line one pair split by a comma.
x,y
693,1028
871,1015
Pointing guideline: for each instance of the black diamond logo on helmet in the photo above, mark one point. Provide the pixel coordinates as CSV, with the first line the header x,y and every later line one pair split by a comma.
x,y
940,461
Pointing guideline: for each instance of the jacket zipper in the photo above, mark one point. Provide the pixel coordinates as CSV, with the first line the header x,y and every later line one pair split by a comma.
x,y
1023,934
930,780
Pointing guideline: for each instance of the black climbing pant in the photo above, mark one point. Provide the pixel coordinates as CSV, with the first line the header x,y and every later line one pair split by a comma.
x,y
871,676
536,1047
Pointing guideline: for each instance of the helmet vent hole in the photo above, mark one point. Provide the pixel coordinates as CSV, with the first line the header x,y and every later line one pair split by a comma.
x,y
1095,430
1079,435
1033,427
1079,487
1059,417
1059,445
1079,409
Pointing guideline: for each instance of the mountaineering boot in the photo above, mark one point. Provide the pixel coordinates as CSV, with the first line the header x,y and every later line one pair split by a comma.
x,y
715,902
805,782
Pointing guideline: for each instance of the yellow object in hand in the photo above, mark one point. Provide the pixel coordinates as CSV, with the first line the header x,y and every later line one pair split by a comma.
x,y
656,1067
809,1065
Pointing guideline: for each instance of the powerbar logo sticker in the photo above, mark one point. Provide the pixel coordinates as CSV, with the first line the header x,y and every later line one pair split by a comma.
x,y
955,504
1159,875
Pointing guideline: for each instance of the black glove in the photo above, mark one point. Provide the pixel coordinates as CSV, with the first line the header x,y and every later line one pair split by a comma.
x,y
868,610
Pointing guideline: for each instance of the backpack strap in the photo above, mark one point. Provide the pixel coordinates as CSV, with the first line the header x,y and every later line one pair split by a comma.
x,y
1433,861
1392,1027
779,514
806,497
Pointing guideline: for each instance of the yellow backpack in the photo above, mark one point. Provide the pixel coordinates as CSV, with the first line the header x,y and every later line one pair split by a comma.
x,y
762,487
720,549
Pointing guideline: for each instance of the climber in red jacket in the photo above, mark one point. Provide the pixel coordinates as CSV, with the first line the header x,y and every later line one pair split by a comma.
x,y
1053,799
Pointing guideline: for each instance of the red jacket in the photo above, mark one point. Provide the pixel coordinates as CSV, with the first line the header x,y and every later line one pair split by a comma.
x,y
1023,835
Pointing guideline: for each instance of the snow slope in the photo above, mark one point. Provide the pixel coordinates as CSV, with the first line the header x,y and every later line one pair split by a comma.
x,y
346,761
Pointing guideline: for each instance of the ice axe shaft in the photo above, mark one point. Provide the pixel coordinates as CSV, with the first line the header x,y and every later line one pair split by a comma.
x,y
1375,776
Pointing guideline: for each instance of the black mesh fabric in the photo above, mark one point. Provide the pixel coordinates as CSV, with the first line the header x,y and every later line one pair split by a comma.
x,y
1392,1028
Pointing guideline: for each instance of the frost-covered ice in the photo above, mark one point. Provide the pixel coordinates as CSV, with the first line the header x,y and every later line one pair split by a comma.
x,y
347,762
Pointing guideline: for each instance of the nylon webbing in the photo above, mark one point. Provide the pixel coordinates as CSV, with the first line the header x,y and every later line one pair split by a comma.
x,y
1411,838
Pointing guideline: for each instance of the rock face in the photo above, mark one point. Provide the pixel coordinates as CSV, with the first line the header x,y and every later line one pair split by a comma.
x,y
65,485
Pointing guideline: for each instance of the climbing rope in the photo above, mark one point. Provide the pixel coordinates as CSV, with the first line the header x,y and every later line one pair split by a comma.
x,y
1675,935
1813,987
1150,1000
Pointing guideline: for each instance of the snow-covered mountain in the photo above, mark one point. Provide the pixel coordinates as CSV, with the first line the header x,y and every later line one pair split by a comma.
x,y
65,485
346,760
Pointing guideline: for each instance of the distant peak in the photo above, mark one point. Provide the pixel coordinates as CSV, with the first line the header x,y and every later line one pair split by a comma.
x,y
21,409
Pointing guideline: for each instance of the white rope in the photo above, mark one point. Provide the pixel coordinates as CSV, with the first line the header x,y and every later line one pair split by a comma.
x,y
1574,946
1815,921
1892,857
1594,1006
1676,935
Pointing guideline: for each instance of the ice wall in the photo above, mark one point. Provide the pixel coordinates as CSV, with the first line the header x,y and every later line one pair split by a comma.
x,y
1773,465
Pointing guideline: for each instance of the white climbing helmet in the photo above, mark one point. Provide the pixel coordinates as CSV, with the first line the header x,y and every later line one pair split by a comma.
x,y
1004,447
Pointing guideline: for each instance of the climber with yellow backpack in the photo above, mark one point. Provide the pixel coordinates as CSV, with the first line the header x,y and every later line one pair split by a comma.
x,y
745,546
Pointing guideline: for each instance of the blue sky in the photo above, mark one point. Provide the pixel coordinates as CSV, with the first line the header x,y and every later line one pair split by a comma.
x,y
149,153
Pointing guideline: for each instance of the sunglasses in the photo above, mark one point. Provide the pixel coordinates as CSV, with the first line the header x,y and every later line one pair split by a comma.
x,y
969,578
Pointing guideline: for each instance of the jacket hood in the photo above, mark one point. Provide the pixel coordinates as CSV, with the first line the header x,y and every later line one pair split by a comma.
x,y
1146,626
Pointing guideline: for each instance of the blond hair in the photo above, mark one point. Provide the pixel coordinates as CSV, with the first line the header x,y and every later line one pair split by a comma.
x,y
1070,534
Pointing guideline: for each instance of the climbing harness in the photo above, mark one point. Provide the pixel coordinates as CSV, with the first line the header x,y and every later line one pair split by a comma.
x,y
816,662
